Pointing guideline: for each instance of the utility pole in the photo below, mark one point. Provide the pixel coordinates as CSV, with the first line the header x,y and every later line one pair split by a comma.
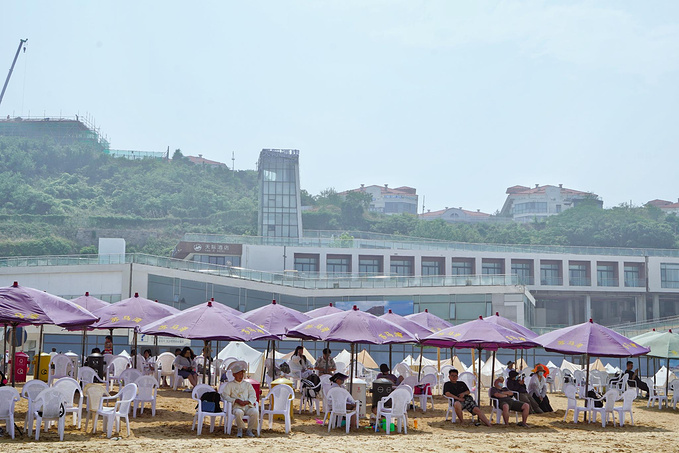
x,y
233,162
21,43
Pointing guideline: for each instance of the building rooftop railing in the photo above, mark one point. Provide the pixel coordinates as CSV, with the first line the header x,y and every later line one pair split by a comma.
x,y
288,278
365,240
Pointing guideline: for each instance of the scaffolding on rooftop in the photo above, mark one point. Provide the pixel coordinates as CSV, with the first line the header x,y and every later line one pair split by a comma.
x,y
63,130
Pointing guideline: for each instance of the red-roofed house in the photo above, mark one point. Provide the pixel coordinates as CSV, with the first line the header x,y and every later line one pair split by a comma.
x,y
525,204
667,207
200,160
457,215
389,201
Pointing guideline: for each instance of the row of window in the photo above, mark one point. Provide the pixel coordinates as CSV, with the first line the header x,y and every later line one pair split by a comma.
x,y
550,272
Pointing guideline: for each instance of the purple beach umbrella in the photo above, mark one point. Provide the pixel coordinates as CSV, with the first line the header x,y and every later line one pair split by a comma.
x,y
511,325
429,321
411,326
322,311
90,303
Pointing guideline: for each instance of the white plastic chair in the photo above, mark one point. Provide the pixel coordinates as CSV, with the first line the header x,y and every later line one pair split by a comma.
x,y
496,410
627,400
401,369
93,393
123,401
607,409
398,411
216,370
451,409
30,392
114,370
147,392
572,404
69,387
341,367
60,366
165,367
338,401
654,395
129,376
200,415
87,375
49,406
326,385
429,381
141,363
9,396
469,379
431,369
277,402
674,388
411,382
556,381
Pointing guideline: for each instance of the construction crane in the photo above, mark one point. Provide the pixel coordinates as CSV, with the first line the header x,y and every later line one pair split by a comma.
x,y
4,87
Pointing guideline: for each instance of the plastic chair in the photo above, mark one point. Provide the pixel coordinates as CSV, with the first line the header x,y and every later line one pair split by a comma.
x,y
9,396
49,406
401,369
451,409
341,367
141,363
60,366
469,379
230,417
30,392
411,382
556,383
129,376
429,381
87,375
120,410
69,387
326,386
496,410
338,402
114,370
627,399
431,369
674,388
147,391
653,394
93,393
607,409
199,416
279,401
165,367
398,410
572,404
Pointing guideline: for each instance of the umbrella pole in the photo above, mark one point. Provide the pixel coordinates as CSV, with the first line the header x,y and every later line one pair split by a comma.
x,y
14,350
587,381
478,381
351,384
667,382
135,348
438,359
391,366
4,349
266,356
217,371
37,365
273,360
419,369
82,356
492,373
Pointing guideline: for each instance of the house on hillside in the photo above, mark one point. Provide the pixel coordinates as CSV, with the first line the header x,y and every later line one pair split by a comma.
x,y
525,204
665,206
200,160
401,200
458,215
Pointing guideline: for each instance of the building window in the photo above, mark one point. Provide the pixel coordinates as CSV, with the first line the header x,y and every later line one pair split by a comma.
x,y
306,263
606,274
433,266
669,275
338,264
462,266
578,274
402,265
370,265
532,207
633,275
550,273
225,260
492,267
523,269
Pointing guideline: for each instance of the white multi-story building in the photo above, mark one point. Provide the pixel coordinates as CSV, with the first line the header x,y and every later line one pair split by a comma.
x,y
665,206
401,200
524,204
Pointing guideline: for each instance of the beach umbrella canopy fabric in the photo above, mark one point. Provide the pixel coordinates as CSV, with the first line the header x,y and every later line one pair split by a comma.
x,y
429,321
322,311
411,326
208,321
20,306
90,303
275,318
511,325
132,313
591,339
479,334
352,326
661,344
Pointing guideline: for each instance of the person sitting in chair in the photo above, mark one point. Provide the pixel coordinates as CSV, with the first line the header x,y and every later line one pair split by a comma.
x,y
325,364
298,362
242,395
386,374
459,392
507,402
634,380
337,380
516,384
537,387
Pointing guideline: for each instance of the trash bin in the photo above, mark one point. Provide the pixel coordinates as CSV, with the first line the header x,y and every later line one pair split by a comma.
x,y
96,362
20,366
283,381
381,388
41,368
358,392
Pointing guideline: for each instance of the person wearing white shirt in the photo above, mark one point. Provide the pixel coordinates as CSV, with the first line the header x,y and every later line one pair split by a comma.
x,y
242,395
299,363
537,387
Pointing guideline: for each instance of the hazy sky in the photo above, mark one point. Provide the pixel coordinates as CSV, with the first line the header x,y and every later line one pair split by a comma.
x,y
459,99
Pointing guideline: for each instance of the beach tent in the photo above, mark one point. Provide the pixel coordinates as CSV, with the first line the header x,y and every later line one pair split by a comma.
x,y
610,369
661,377
597,365
306,353
486,371
566,365
253,357
550,364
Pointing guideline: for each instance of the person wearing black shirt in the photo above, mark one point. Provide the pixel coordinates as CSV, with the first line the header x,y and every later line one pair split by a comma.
x,y
518,385
459,392
634,379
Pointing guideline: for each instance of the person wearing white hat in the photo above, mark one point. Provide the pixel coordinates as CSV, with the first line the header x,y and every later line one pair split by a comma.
x,y
242,395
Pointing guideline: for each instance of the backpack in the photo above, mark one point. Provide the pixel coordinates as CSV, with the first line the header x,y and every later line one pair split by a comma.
x,y
311,386
211,402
